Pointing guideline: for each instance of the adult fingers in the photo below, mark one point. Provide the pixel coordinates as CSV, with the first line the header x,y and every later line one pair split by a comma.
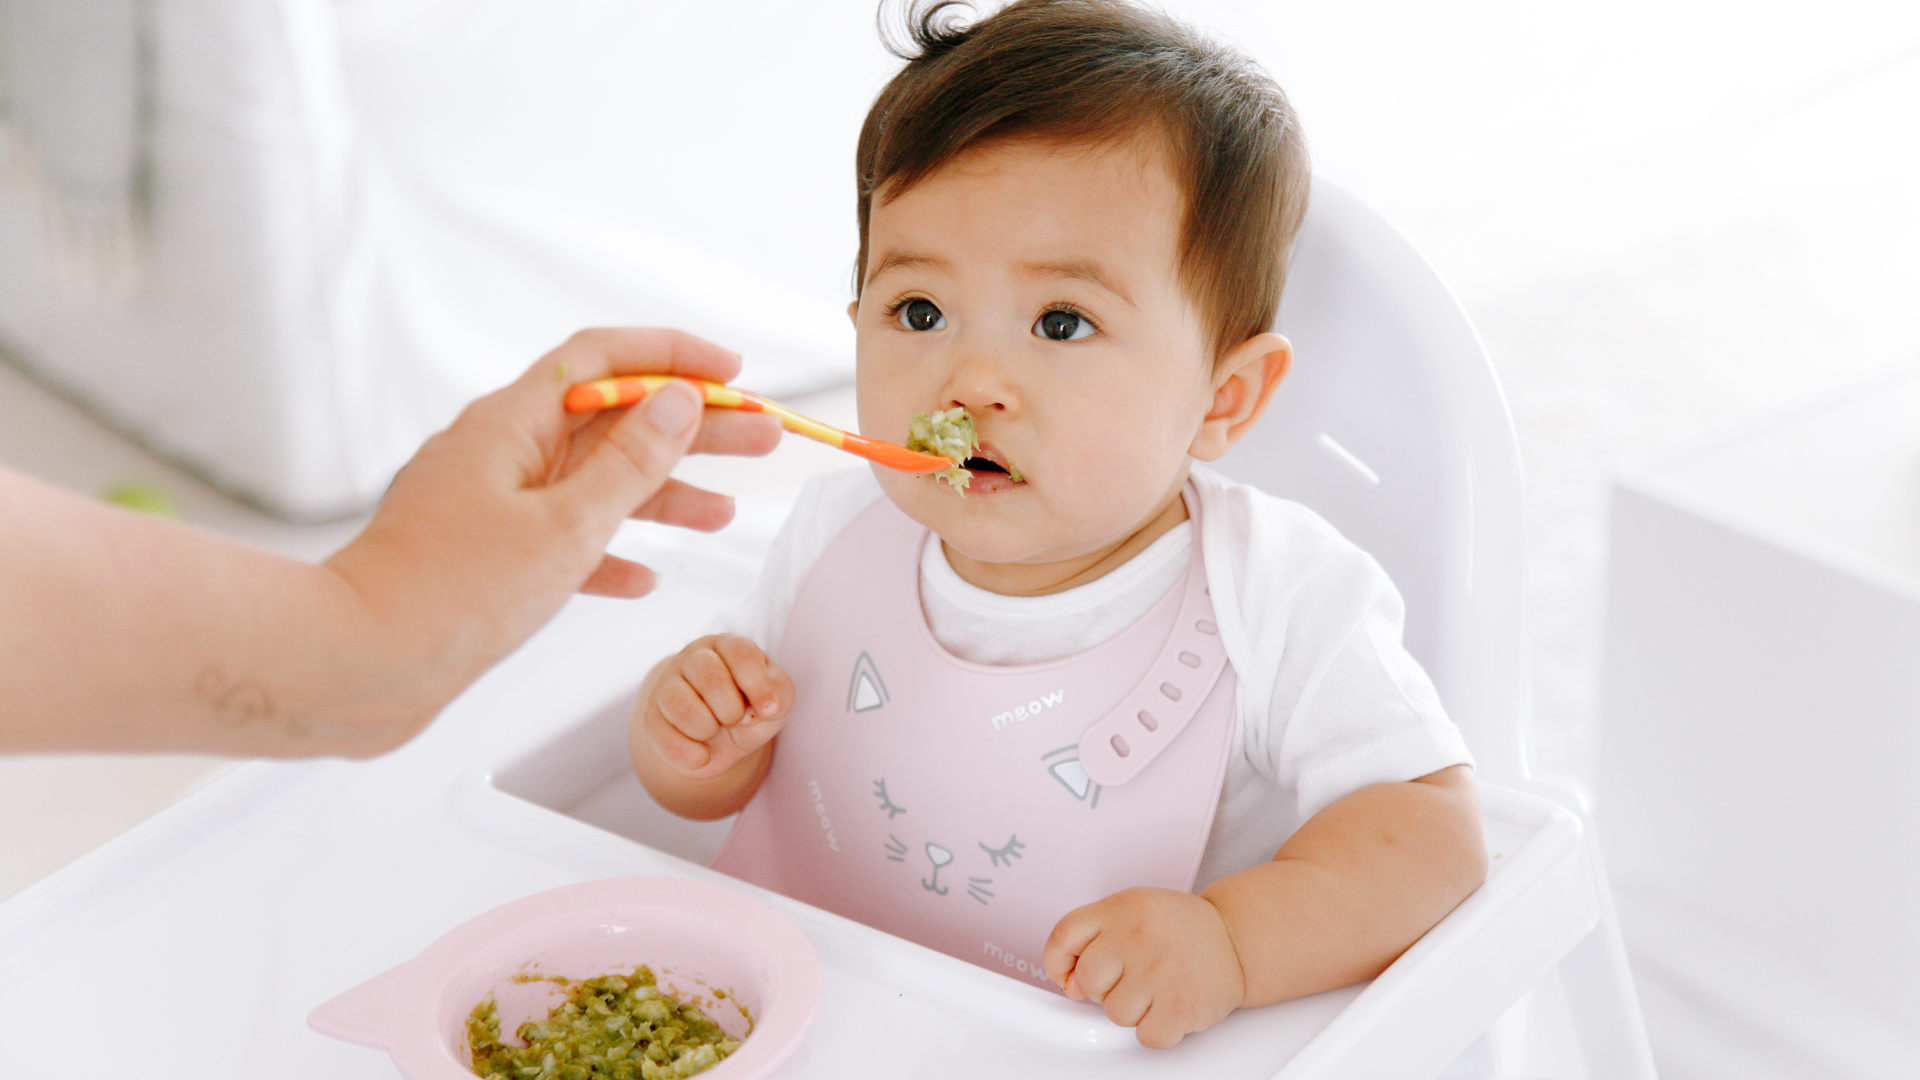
x,y
533,401
730,431
680,503
631,350
630,463
600,352
620,579
722,431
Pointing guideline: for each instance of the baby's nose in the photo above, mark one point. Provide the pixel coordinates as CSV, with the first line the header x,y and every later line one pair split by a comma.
x,y
979,383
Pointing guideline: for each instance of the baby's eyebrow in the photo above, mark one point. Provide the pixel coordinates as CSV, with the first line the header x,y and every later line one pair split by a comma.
x,y
897,260
1079,269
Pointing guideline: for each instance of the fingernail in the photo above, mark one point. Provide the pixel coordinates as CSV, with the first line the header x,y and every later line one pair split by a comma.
x,y
674,407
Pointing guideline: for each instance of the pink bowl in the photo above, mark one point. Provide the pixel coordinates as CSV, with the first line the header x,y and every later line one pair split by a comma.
x,y
696,937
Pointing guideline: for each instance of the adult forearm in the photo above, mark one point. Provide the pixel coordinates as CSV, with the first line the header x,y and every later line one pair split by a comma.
x,y
1355,887
125,633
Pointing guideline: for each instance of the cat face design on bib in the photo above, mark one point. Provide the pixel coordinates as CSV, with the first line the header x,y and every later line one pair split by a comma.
x,y
956,804
935,858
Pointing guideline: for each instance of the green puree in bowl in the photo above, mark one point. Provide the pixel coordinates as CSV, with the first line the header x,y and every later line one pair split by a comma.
x,y
617,1026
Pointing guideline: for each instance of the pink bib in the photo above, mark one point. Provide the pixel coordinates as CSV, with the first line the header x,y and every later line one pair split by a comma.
x,y
969,807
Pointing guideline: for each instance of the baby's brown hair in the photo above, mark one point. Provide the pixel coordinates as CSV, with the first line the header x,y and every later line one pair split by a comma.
x,y
1095,71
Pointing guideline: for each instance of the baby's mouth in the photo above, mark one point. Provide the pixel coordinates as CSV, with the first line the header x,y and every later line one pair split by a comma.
x,y
987,463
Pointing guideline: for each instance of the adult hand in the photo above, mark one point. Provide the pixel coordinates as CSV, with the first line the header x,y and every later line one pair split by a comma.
x,y
507,513
126,633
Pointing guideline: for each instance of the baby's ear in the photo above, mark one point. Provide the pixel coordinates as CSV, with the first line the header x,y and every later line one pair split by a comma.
x,y
853,313
1242,385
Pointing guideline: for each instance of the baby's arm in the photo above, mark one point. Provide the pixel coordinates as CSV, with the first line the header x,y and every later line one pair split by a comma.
x,y
703,727
1345,896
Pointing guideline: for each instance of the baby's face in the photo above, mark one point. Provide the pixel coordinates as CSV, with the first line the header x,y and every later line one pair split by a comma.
x,y
1035,285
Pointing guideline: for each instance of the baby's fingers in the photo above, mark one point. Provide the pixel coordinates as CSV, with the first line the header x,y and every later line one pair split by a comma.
x,y
712,678
673,710
1066,950
764,685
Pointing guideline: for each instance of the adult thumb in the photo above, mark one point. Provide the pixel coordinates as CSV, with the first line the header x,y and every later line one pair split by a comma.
x,y
635,455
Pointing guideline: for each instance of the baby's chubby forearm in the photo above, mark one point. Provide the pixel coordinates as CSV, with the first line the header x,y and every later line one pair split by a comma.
x,y
703,726
1355,887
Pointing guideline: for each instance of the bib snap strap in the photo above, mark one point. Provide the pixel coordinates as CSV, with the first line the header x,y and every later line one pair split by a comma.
x,y
1117,747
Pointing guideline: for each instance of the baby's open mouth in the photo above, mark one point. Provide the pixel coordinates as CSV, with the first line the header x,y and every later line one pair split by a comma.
x,y
987,462
988,465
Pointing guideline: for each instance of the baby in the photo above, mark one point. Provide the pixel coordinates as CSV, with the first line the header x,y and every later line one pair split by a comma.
x,y
1104,719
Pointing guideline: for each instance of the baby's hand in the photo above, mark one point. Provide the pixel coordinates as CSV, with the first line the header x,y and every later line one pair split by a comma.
x,y
715,704
1160,961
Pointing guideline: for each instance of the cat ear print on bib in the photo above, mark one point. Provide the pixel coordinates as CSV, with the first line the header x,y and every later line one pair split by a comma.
x,y
866,691
1072,775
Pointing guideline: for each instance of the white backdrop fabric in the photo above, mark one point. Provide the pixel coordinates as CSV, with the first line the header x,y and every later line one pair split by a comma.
x,y
367,212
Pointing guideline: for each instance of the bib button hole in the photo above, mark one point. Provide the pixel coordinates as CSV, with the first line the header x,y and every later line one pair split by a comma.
x,y
1147,721
1120,745
1172,691
1189,659
1206,626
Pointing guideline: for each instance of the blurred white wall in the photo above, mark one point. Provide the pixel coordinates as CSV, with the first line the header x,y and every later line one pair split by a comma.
x,y
1666,218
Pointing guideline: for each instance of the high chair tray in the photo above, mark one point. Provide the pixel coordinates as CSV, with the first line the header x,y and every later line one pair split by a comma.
x,y
197,943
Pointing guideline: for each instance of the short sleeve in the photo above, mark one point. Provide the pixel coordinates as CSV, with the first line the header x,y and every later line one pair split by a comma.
x,y
1350,706
825,505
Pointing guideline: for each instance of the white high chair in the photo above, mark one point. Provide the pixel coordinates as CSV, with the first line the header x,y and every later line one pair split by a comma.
x,y
1392,426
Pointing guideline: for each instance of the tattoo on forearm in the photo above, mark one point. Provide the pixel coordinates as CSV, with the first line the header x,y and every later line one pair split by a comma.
x,y
238,704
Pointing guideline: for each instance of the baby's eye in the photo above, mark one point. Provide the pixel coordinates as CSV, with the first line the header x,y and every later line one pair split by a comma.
x,y
1060,325
921,315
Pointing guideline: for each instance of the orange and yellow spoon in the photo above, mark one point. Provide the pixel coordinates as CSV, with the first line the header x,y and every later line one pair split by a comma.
x,y
627,389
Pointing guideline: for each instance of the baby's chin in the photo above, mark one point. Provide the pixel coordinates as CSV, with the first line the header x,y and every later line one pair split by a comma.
x,y
978,517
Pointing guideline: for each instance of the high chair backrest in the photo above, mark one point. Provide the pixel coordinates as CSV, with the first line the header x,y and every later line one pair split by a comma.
x,y
1392,426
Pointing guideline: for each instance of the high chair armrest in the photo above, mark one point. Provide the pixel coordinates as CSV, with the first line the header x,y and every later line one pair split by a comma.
x,y
1539,901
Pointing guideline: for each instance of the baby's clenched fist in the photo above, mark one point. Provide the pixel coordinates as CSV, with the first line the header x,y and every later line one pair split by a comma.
x,y
1158,961
715,704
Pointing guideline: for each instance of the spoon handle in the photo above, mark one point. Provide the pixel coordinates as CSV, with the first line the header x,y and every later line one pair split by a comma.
x,y
622,390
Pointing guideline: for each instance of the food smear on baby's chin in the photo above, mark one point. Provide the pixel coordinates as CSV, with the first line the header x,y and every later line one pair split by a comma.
x,y
950,434
614,1026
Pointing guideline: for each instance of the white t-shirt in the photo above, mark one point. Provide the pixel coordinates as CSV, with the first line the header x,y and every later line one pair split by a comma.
x,y
1328,701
